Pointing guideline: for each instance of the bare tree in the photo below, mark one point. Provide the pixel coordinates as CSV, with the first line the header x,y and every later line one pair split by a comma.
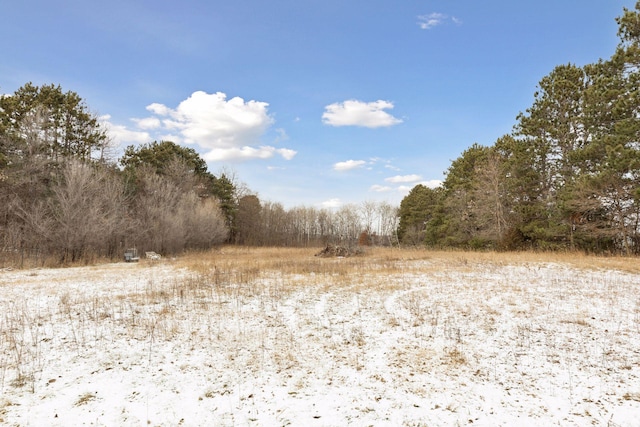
x,y
86,211
205,223
348,223
248,230
388,219
171,219
368,213
274,224
180,174
160,223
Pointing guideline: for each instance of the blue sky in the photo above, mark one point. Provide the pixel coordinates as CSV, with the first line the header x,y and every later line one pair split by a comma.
x,y
308,102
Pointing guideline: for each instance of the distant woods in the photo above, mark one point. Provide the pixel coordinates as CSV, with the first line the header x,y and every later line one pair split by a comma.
x,y
568,177
65,199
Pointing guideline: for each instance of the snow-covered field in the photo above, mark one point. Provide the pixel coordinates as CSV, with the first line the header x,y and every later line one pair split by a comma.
x,y
377,340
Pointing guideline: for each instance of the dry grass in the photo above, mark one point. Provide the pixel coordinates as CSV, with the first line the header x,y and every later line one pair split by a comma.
x,y
394,316
85,398
301,261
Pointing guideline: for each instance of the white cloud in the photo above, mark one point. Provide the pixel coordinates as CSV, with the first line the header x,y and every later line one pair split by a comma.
x,y
286,153
348,165
158,109
427,22
212,122
358,113
169,137
380,188
331,203
148,123
225,129
121,135
403,178
247,152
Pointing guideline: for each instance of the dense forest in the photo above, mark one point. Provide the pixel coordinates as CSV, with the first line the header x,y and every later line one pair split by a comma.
x,y
567,177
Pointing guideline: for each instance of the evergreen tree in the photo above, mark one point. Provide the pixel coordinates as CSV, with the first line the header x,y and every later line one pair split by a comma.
x,y
555,133
609,204
416,210
225,191
458,224
159,155
47,122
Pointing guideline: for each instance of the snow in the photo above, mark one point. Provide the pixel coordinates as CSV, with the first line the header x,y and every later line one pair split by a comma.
x,y
427,343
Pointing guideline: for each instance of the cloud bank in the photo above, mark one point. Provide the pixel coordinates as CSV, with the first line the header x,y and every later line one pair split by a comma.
x,y
358,113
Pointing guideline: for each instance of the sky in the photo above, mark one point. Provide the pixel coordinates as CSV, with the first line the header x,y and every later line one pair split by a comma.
x,y
306,102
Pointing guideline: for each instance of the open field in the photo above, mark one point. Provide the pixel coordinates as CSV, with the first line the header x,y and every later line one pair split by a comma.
x,y
243,337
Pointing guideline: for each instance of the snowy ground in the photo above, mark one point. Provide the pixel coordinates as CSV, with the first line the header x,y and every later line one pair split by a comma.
x,y
386,343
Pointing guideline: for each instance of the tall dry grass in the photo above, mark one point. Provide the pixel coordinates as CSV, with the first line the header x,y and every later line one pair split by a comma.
x,y
386,259
235,299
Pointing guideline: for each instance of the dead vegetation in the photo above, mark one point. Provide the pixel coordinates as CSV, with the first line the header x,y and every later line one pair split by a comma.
x,y
285,320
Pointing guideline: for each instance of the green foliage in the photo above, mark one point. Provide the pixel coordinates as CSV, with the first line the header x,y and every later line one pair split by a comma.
x,y
48,123
158,155
460,173
568,176
225,191
457,223
416,210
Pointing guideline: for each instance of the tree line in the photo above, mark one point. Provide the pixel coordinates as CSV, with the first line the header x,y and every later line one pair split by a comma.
x,y
567,177
270,224
67,199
